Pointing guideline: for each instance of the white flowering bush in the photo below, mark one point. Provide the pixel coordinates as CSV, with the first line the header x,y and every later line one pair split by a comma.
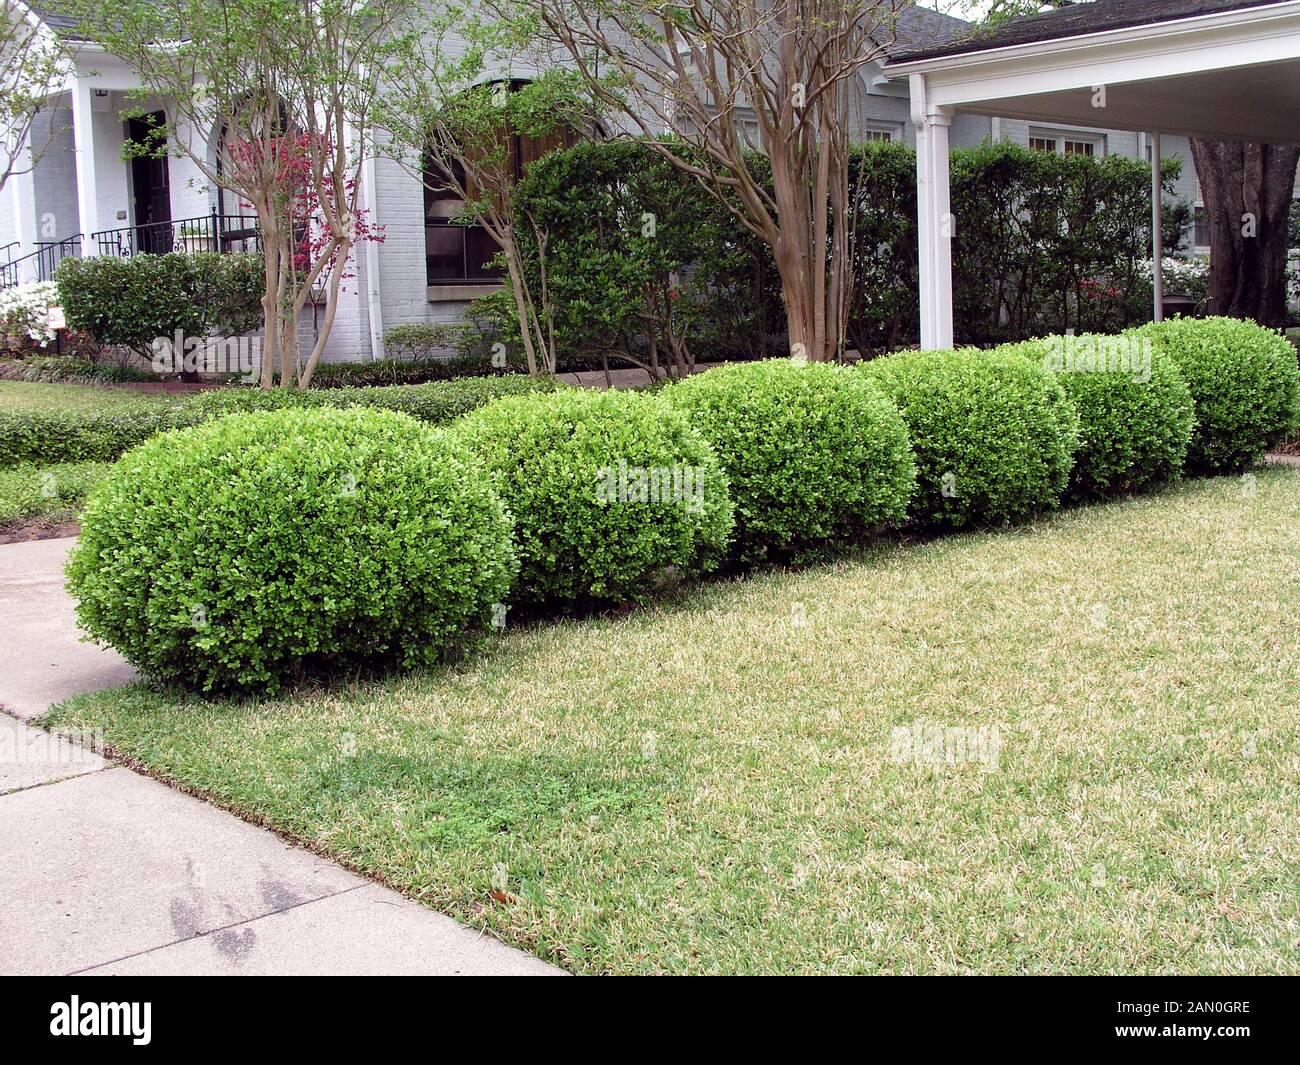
x,y
1186,277
25,311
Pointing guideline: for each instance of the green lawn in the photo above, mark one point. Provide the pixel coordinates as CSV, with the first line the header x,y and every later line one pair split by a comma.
x,y
715,785
23,396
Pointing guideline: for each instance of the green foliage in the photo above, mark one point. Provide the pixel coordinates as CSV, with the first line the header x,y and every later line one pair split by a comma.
x,y
131,302
814,453
1244,380
436,402
32,491
48,436
641,263
71,369
1136,414
1042,243
994,435
45,437
417,341
262,548
574,468
884,312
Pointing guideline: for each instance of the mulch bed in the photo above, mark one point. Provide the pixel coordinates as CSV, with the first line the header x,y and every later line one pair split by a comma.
x,y
17,532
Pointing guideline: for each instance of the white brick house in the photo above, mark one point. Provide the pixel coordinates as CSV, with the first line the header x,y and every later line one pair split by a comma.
x,y
84,199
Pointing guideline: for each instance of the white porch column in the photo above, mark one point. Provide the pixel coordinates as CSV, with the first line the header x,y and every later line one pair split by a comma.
x,y
23,195
1157,230
87,183
934,217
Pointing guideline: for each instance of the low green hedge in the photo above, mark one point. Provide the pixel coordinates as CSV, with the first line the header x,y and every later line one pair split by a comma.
x,y
262,548
814,453
435,403
994,434
45,437
1244,381
612,493
1136,414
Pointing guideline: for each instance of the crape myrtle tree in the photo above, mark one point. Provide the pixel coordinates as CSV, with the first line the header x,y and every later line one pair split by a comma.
x,y
464,98
271,100
33,66
722,77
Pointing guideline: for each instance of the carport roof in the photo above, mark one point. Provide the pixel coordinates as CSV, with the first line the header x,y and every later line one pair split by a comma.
x,y
1074,21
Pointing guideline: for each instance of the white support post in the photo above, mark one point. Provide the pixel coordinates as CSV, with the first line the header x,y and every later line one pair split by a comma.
x,y
83,132
1157,230
23,192
934,218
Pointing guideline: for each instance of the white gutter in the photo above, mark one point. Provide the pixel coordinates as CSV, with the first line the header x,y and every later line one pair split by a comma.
x,y
1057,45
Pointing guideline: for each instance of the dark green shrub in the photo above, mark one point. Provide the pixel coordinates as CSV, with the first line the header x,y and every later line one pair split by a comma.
x,y
260,548
814,453
132,302
994,435
1244,381
1135,411
642,263
611,492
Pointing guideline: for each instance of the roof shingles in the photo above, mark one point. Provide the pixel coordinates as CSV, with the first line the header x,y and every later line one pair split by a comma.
x,y
1073,21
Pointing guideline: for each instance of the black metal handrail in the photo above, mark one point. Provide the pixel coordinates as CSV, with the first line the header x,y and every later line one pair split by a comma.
x,y
46,259
211,233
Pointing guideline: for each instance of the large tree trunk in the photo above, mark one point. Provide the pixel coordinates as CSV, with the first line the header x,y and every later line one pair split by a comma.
x,y
1247,190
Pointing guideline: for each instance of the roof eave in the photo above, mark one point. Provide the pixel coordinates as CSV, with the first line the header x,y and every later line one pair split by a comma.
x,y
904,67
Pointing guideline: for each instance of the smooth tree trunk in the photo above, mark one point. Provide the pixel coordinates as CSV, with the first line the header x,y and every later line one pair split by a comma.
x,y
1247,189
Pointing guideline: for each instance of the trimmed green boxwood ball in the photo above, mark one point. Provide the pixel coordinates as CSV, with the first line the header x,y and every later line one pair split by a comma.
x,y
1245,383
815,453
1136,414
994,434
612,493
259,548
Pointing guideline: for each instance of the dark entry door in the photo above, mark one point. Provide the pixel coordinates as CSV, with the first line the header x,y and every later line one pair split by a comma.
x,y
149,180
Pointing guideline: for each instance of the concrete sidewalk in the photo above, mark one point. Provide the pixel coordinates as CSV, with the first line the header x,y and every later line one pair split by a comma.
x,y
106,871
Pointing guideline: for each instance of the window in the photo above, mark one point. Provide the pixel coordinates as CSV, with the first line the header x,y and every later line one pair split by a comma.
x,y
879,134
1067,143
455,253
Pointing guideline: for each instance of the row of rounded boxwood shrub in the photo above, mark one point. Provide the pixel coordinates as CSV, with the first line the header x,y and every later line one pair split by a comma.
x,y
262,547
45,437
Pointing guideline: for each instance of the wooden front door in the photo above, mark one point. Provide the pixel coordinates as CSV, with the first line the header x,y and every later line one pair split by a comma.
x,y
152,190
